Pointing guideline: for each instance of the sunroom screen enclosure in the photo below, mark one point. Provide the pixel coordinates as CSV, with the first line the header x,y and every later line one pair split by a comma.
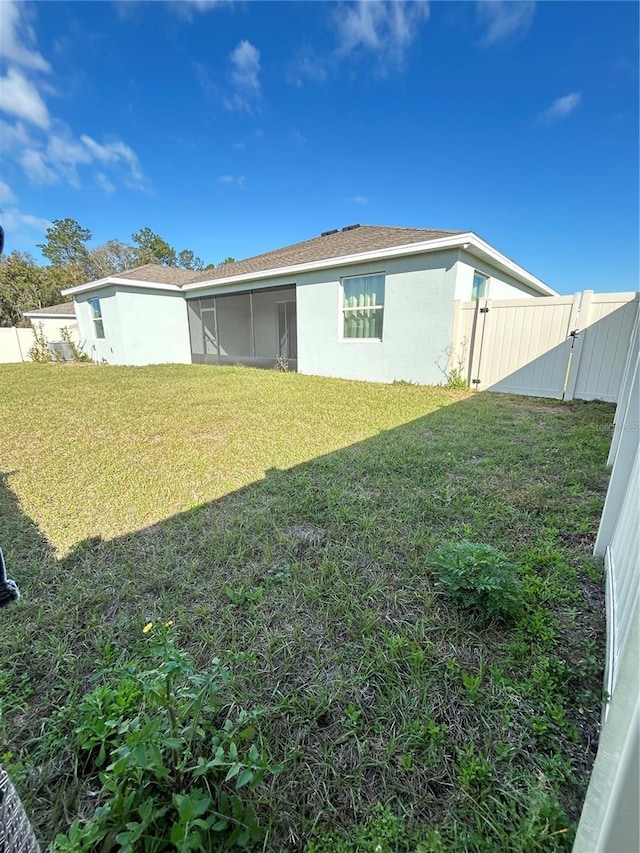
x,y
252,327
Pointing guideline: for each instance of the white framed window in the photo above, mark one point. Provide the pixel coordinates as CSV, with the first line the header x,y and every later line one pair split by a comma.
x,y
362,307
480,288
96,316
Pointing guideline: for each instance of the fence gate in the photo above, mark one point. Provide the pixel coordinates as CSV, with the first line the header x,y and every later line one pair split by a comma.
x,y
555,346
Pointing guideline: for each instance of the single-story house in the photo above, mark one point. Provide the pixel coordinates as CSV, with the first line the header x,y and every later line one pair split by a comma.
x,y
52,320
364,302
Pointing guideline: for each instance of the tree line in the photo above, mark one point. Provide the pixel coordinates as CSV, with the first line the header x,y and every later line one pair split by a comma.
x,y
26,285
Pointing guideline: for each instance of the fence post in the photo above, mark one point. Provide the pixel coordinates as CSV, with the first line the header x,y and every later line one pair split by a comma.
x,y
578,320
484,343
18,342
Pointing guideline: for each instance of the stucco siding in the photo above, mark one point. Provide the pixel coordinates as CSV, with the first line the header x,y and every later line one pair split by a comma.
x,y
109,348
501,285
418,312
140,327
154,328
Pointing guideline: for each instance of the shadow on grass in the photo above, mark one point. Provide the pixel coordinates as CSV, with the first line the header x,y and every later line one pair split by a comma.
x,y
371,689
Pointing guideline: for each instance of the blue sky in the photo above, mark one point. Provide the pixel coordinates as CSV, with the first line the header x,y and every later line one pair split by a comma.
x,y
233,128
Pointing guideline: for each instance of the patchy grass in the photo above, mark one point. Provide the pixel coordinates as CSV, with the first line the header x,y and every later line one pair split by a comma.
x,y
287,524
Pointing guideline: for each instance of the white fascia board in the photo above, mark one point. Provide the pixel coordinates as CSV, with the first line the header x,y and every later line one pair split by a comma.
x,y
469,241
480,248
121,282
36,316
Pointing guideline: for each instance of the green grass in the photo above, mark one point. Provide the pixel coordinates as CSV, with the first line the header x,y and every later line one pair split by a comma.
x,y
287,525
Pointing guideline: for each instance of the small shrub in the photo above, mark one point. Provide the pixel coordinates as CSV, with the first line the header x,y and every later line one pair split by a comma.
x,y
76,350
171,760
455,380
40,350
479,578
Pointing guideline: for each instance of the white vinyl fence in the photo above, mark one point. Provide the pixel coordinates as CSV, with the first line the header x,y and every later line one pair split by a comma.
x,y
15,344
563,347
610,821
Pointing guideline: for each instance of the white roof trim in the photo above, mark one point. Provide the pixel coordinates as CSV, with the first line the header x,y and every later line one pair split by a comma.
x,y
39,316
469,241
121,282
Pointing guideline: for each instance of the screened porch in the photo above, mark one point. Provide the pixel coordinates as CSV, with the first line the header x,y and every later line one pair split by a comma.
x,y
254,327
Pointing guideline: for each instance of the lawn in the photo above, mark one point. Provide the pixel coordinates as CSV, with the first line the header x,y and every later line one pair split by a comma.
x,y
287,525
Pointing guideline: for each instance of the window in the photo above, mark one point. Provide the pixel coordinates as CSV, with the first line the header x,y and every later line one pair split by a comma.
x,y
362,306
96,314
480,286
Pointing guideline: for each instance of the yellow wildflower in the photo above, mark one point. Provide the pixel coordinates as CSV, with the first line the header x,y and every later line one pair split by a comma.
x,y
168,624
147,627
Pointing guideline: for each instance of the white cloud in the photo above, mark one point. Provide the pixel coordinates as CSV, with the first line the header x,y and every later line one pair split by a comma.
x,y
21,98
6,195
381,27
359,199
204,78
56,156
105,184
245,62
15,221
13,135
46,148
560,109
233,180
36,169
504,19
246,67
188,9
116,153
306,66
17,38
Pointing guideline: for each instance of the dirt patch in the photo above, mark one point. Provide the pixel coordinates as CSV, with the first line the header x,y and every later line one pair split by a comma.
x,y
577,540
304,536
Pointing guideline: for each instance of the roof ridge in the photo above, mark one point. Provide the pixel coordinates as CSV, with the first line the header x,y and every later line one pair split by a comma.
x,y
325,238
415,228
140,267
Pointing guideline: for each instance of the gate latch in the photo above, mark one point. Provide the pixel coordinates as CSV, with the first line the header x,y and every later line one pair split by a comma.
x,y
574,333
484,310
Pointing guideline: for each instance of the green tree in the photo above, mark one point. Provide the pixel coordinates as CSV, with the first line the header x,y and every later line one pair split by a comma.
x,y
189,261
227,261
65,243
24,286
152,249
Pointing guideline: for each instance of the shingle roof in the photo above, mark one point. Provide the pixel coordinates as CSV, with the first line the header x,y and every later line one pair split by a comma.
x,y
363,238
52,310
360,238
157,274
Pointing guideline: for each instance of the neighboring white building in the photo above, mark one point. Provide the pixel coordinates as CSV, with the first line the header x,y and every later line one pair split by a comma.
x,y
52,320
367,302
